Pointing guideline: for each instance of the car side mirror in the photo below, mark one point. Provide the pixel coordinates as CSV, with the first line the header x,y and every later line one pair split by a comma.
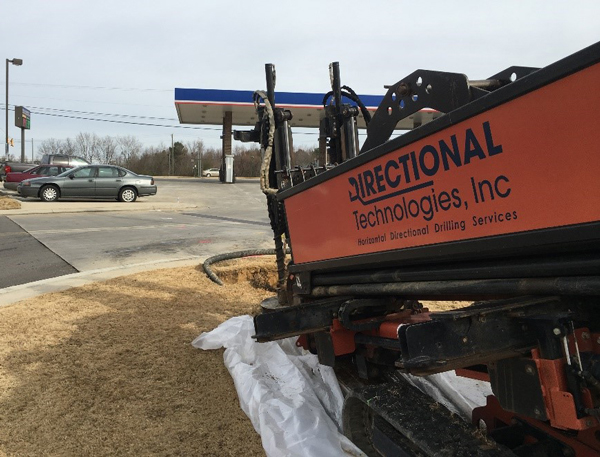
x,y
71,177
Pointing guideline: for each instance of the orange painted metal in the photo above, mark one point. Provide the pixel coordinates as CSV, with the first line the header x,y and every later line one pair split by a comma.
x,y
472,374
560,407
518,171
342,339
584,443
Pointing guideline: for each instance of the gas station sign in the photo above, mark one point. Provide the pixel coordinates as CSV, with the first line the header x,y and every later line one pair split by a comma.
x,y
22,117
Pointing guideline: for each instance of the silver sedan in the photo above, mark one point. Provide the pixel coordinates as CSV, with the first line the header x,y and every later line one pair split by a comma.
x,y
90,181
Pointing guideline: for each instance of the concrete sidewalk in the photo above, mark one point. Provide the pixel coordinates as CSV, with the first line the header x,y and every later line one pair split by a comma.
x,y
14,294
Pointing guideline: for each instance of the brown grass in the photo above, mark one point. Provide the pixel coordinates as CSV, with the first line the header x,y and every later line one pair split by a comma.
x,y
108,368
9,203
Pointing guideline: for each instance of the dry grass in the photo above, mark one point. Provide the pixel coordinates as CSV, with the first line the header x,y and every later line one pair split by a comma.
x,y
9,203
108,368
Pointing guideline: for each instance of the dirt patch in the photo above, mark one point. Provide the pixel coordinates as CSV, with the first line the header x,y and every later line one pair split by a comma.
x,y
108,368
9,203
248,270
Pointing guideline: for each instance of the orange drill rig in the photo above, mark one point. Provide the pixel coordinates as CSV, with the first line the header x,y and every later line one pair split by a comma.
x,y
495,202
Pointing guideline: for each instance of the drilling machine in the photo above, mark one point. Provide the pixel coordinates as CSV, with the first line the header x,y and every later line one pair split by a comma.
x,y
495,203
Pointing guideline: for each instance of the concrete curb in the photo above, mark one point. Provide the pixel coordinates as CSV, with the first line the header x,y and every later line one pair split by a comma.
x,y
13,294
38,207
58,210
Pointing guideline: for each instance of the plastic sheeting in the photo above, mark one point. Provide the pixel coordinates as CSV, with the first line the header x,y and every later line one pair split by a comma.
x,y
295,404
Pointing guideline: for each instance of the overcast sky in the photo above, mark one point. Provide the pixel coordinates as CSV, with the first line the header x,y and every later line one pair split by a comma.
x,y
124,58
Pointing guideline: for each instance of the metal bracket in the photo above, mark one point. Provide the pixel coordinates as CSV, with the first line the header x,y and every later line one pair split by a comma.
x,y
438,90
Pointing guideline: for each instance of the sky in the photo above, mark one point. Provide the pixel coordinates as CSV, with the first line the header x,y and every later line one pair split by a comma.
x,y
120,61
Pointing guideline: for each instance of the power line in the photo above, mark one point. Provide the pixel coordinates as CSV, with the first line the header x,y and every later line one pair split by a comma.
x,y
143,124
119,121
71,86
103,114
128,122
62,99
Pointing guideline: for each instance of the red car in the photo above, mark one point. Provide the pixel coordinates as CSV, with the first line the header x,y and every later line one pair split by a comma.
x,y
13,179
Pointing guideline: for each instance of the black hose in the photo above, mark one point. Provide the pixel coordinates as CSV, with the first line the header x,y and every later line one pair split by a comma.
x,y
363,109
232,255
355,98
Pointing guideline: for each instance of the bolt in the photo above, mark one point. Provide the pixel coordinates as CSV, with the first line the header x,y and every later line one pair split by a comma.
x,y
598,340
585,335
537,412
482,318
465,339
589,423
529,370
403,89
556,331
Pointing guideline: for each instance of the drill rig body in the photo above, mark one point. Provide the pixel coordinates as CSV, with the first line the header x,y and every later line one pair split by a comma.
x,y
496,202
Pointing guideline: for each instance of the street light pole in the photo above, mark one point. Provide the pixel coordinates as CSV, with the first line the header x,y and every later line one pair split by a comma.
x,y
14,62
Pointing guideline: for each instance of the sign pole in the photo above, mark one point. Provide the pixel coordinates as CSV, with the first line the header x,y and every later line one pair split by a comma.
x,y
22,145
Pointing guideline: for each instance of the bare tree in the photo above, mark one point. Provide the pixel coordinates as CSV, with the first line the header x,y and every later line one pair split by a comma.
x,y
68,147
107,149
129,149
247,161
54,146
86,145
196,151
50,146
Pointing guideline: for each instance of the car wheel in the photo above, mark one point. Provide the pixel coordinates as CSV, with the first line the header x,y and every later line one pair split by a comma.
x,y
208,175
127,194
49,193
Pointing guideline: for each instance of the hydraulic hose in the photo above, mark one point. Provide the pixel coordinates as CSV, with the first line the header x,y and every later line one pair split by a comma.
x,y
232,255
349,93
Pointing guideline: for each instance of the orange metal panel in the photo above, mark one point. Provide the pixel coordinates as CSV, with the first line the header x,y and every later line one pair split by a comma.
x,y
528,164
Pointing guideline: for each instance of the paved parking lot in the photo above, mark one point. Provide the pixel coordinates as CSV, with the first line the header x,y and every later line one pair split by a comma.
x,y
188,220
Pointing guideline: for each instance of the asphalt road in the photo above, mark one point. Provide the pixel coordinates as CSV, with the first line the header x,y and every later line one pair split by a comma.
x,y
25,259
217,218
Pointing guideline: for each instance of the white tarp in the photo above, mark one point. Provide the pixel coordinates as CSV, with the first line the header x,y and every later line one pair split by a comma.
x,y
295,404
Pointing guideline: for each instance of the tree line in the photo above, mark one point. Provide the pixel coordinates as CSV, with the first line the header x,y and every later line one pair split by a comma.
x,y
179,160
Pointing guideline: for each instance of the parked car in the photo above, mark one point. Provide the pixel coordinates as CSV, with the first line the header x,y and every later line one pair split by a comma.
x,y
63,159
9,167
90,182
210,172
14,178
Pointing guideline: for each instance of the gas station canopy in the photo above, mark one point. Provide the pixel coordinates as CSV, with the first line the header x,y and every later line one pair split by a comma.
x,y
208,106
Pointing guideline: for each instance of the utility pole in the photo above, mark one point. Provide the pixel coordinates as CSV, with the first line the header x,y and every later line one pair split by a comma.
x,y
200,164
14,62
172,155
